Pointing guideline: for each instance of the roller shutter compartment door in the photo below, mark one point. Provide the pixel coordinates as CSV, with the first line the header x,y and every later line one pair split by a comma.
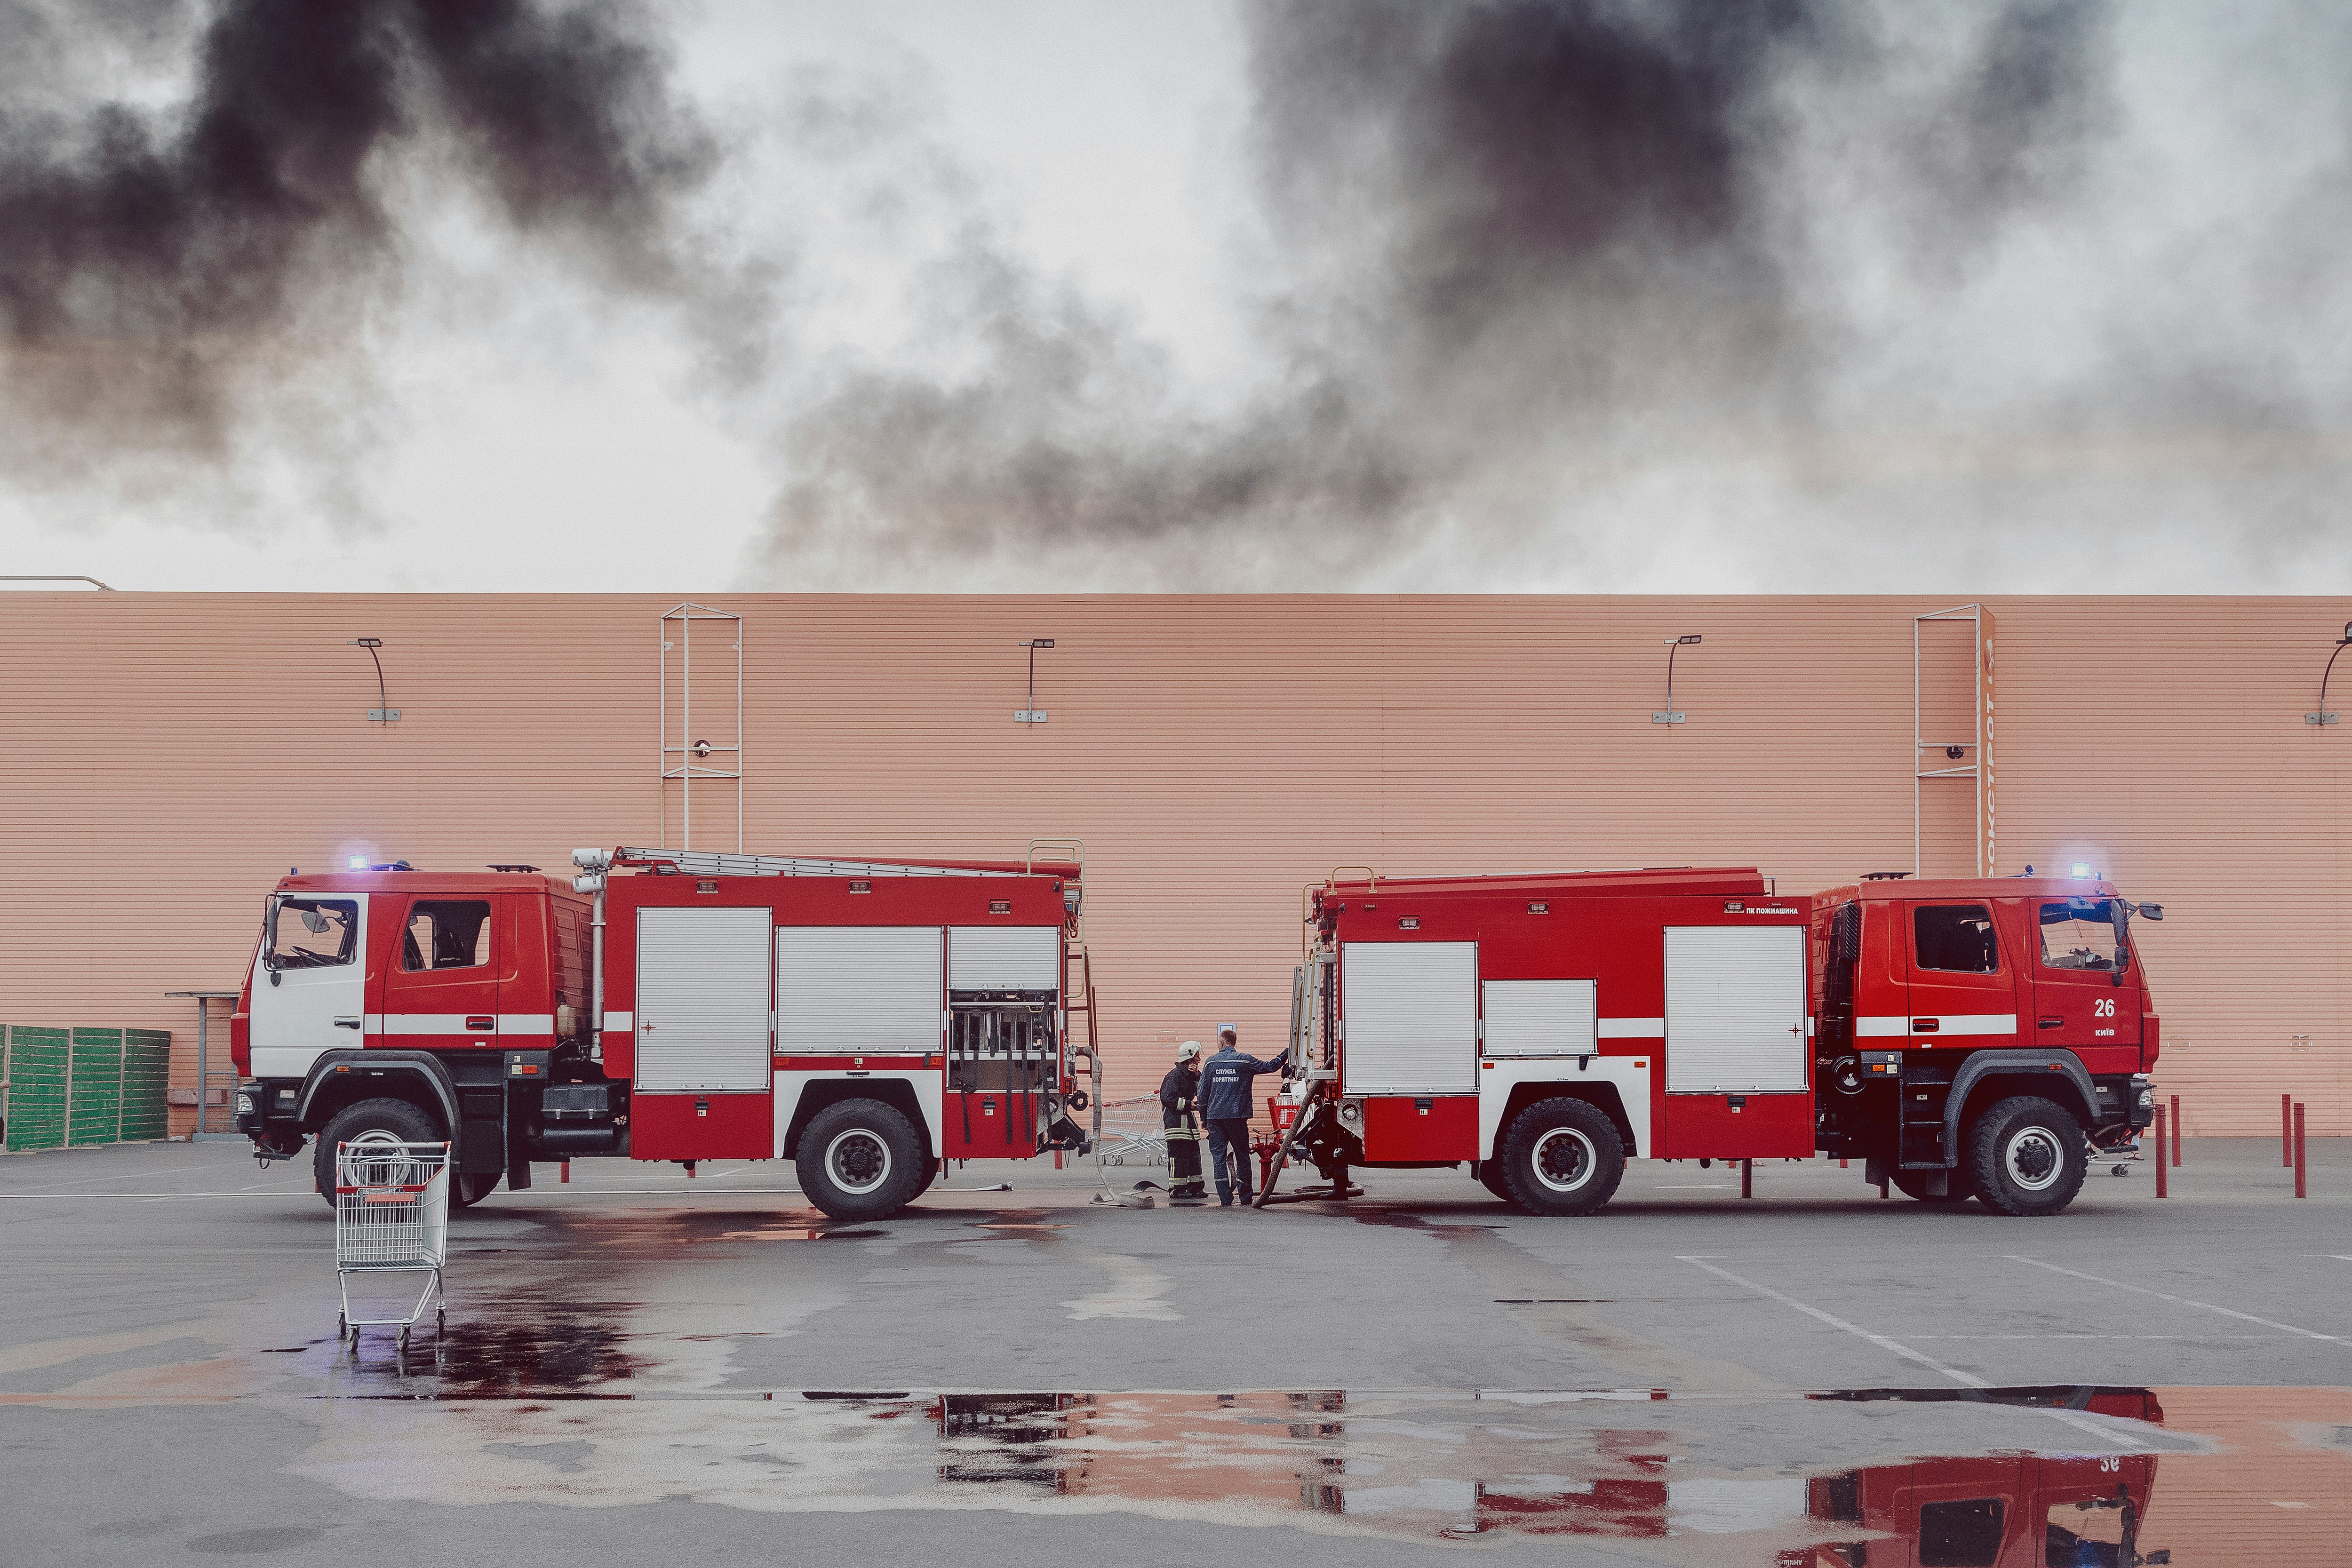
x,y
1540,1018
1005,958
1409,1016
858,990
1734,1009
703,1001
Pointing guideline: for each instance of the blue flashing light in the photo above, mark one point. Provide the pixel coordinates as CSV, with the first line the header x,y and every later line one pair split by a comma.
x,y
358,862
2082,868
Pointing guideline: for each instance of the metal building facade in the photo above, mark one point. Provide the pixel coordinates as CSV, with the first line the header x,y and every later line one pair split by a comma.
x,y
168,755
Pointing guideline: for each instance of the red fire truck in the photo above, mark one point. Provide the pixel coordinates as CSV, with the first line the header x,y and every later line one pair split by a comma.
x,y
868,1020
1961,1038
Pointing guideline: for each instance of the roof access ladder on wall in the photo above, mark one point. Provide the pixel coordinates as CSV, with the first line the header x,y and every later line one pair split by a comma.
x,y
688,746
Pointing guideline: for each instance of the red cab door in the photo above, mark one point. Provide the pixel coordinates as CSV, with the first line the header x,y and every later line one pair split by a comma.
x,y
1963,976
441,986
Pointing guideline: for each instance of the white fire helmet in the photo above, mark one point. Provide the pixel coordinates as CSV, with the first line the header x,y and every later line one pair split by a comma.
x,y
1188,1051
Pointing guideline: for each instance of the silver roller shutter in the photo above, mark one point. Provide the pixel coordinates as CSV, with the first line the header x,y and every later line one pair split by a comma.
x,y
858,988
1540,1018
1005,957
1735,1009
702,1000
1409,1016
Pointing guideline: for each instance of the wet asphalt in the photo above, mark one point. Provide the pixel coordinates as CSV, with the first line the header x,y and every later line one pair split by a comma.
x,y
639,1363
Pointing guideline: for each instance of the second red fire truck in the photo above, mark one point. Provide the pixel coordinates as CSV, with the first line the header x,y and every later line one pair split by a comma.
x,y
1962,1038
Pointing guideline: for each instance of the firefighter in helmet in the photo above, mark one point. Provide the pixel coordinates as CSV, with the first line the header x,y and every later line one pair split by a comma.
x,y
1179,1095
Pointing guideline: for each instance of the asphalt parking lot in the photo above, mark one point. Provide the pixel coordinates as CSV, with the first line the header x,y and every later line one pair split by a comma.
x,y
637,1363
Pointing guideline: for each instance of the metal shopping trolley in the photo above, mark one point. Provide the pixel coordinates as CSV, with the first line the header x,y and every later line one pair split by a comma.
x,y
392,1217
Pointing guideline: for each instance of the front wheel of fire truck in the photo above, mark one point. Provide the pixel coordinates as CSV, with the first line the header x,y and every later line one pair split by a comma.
x,y
368,1122
2027,1157
860,1160
1562,1157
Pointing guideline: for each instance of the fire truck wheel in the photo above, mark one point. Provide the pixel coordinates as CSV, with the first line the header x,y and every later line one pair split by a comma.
x,y
369,1122
860,1160
1562,1156
930,1174
2027,1157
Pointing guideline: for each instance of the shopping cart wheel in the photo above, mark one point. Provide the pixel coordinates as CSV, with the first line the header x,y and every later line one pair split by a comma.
x,y
404,1339
343,1329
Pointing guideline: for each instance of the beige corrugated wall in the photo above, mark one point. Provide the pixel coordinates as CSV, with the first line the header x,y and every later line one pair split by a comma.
x,y
167,755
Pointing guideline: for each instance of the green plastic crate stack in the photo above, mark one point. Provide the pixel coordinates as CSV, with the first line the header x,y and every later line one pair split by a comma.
x,y
36,1070
94,1107
146,1076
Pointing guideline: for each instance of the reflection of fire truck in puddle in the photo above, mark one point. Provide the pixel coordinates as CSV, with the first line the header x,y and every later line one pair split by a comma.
x,y
1997,1511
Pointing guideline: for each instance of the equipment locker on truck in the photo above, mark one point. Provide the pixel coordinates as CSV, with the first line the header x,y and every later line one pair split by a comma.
x,y
1962,1037
868,1020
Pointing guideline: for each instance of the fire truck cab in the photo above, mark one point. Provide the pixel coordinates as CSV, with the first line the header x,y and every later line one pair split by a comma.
x,y
1961,1038
868,1020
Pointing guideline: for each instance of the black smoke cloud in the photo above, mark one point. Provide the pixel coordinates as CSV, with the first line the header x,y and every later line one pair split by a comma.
x,y
1536,245
163,269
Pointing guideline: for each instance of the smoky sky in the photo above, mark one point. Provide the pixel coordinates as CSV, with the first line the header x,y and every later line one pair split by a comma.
x,y
1576,293
160,264
1558,274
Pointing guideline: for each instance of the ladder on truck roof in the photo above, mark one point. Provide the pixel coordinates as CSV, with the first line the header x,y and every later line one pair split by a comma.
x,y
719,863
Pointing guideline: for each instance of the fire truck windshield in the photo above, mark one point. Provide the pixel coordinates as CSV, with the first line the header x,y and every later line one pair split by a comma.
x,y
2081,933
311,933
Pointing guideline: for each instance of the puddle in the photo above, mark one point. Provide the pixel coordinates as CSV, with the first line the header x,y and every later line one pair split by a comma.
x,y
1844,1478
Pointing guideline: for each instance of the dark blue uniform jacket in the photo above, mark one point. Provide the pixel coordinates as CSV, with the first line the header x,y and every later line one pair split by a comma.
x,y
1225,1083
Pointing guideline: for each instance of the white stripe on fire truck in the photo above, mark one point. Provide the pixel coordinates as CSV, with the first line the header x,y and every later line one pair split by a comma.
x,y
1630,1028
1944,1023
621,1023
455,1023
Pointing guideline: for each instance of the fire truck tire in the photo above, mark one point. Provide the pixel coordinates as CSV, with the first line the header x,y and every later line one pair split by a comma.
x,y
930,1174
860,1160
2027,1157
368,1122
1562,1156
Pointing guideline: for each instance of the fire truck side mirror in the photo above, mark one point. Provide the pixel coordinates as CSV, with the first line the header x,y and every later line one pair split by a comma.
x,y
2152,910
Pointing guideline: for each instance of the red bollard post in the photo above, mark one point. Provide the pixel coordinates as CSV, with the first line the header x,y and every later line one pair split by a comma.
x,y
2286,1129
2160,1190
566,1174
2175,1129
2299,1191
1748,1178
1841,1165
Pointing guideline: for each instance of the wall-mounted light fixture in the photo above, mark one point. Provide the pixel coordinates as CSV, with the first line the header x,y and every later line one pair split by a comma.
x,y
2323,715
384,713
1032,714
1674,645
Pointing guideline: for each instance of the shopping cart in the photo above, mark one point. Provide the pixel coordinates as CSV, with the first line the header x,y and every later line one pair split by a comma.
x,y
392,1217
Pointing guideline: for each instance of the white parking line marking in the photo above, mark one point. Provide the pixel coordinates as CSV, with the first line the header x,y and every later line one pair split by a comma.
x,y
1880,1340
2073,1418
2181,1301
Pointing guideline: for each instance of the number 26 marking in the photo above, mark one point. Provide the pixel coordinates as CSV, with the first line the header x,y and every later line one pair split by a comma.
x,y
2104,1007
